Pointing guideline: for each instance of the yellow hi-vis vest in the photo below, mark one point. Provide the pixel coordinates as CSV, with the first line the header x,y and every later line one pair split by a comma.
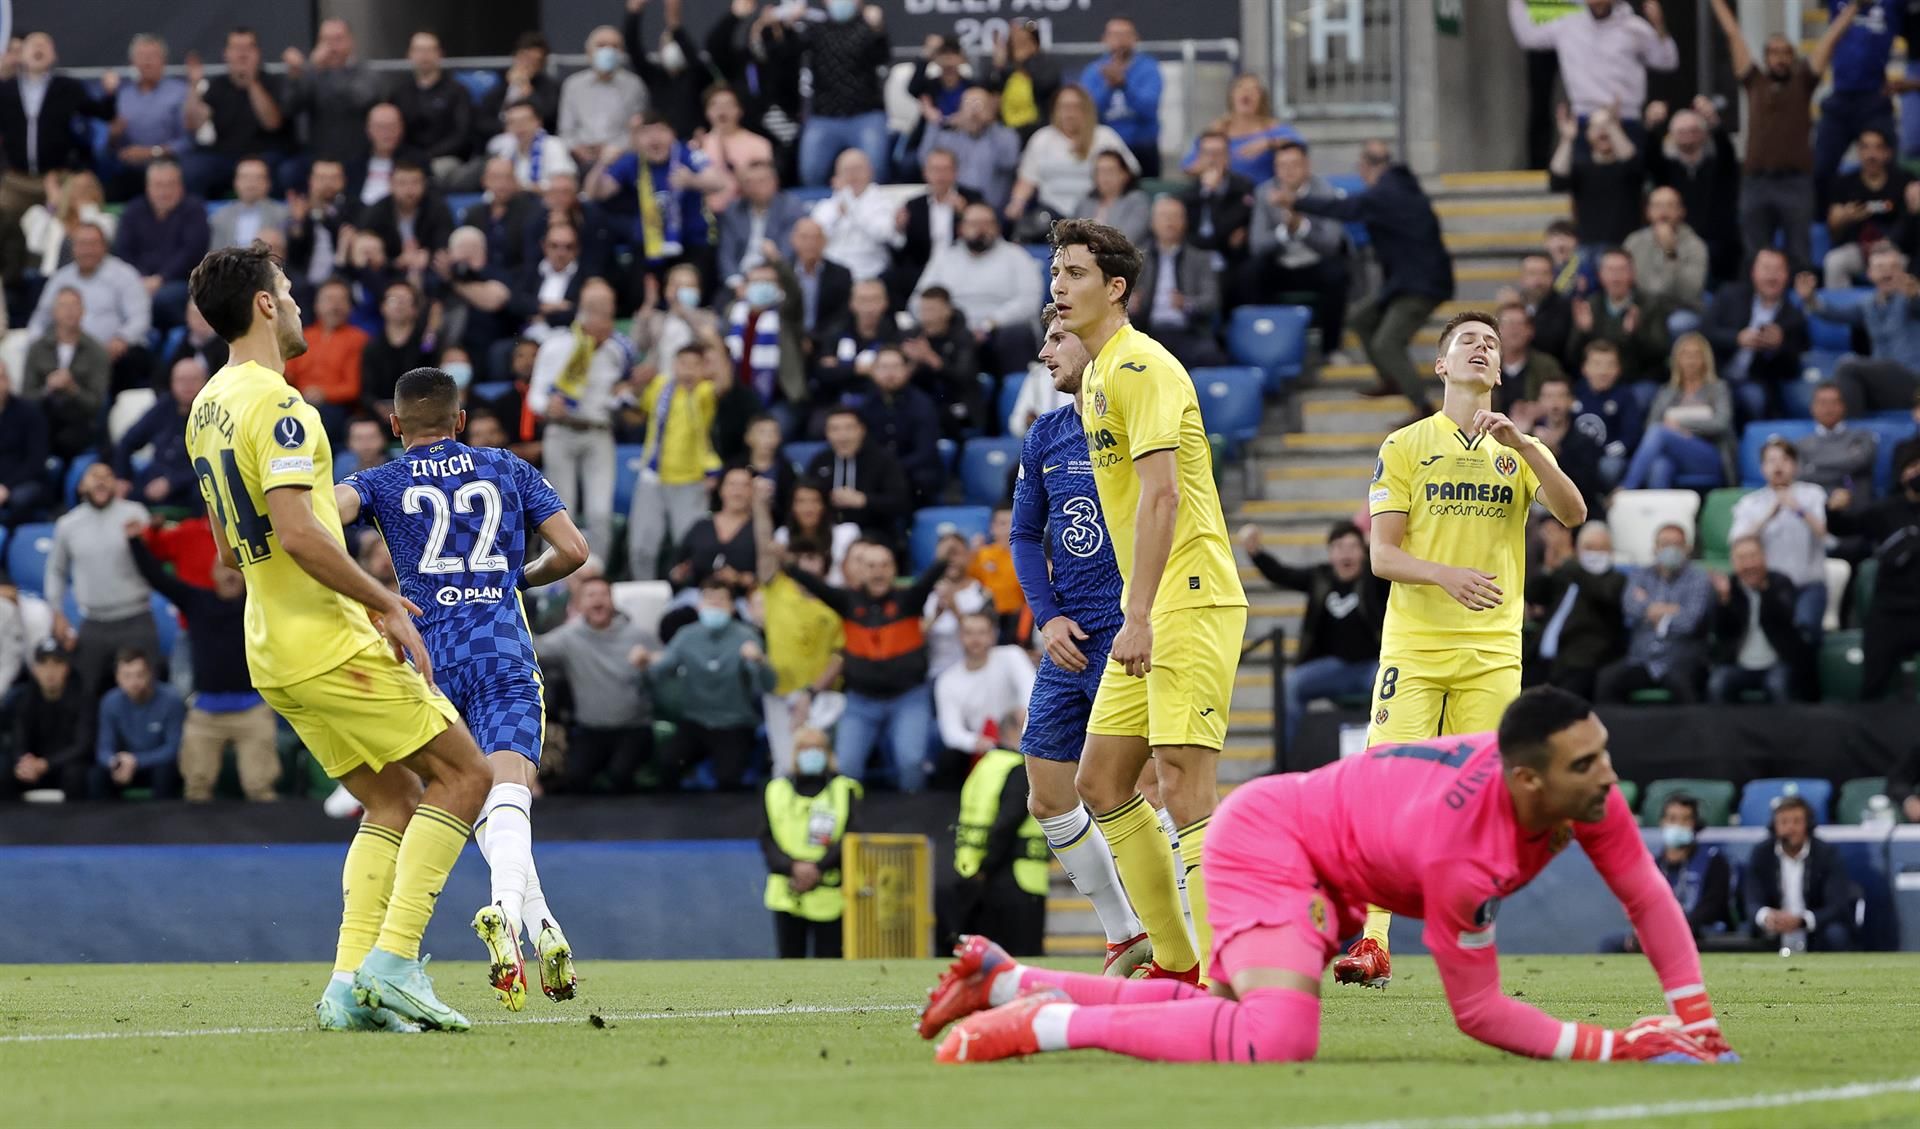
x,y
804,827
979,805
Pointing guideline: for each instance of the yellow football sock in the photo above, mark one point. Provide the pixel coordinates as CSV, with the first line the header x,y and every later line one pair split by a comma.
x,y
1192,838
1145,861
1377,922
366,882
432,844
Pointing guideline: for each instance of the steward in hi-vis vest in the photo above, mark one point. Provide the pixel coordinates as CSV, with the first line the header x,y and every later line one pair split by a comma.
x,y
808,816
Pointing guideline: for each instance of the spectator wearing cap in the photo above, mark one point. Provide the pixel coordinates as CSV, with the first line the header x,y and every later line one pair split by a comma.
x,y
1760,647
1178,295
436,112
137,741
597,102
1605,53
994,283
1757,334
23,460
1835,456
1292,250
245,107
1692,153
1125,84
985,152
1865,207
52,721
1220,202
1604,181
846,54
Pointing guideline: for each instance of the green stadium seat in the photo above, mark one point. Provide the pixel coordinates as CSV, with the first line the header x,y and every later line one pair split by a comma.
x,y
1840,663
1716,523
1651,697
1854,794
1630,792
1866,574
1715,796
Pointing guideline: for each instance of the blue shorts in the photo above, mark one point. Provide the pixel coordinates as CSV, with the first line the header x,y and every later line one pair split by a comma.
x,y
503,704
1062,703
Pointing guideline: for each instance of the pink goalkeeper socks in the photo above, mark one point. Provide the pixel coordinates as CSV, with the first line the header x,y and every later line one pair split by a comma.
x,y
1085,988
1270,1025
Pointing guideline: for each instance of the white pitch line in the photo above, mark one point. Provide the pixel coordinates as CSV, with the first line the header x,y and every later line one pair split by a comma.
x,y
1854,1091
611,1017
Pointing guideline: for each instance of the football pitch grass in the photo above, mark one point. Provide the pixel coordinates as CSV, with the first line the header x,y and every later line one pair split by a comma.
x,y
1828,1040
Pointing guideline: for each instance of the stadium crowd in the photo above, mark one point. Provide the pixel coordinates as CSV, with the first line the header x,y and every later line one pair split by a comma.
x,y
744,334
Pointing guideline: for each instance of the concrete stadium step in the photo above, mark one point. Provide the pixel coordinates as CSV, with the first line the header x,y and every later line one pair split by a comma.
x,y
1315,509
1449,185
1345,482
1075,944
1346,412
1345,376
1514,215
1492,244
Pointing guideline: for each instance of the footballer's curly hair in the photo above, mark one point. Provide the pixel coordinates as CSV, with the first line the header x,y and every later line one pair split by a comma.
x,y
224,283
1111,251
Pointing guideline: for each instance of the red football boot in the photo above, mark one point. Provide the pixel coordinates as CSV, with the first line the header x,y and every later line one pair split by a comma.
x,y
1003,1032
1366,964
1124,958
966,985
1189,975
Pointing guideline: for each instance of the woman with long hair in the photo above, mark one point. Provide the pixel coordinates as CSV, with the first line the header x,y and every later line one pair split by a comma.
x,y
1056,169
1691,433
1025,77
722,542
810,520
72,199
1116,199
1251,129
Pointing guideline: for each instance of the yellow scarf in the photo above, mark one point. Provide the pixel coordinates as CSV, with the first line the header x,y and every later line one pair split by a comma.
x,y
572,381
653,221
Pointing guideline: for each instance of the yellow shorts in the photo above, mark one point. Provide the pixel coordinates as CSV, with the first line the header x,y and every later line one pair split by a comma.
x,y
370,710
1184,699
1421,695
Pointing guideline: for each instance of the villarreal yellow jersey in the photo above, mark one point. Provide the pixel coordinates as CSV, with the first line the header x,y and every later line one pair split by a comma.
x,y
1466,501
1138,401
249,433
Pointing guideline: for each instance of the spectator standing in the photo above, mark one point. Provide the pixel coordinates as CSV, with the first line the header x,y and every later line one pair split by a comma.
x,y
1836,456
1125,84
163,235
1294,251
319,221
804,636
168,479
72,199
1056,167
1671,262
1252,131
149,114
601,653
667,180
137,741
863,482
762,213
332,89
1179,293
1605,53
1761,647
810,810
1892,628
671,494
985,152
574,377
225,708
1577,452
1697,872
37,136
845,55
505,216
1621,315
1857,102
399,348
246,107
994,283
328,374
52,722
1339,651
1604,181
1692,153
1789,519
716,671
596,103
1580,604
69,374
885,660
1799,885
1779,190
1667,611
241,222
1866,206
1757,334
673,71
116,306
928,222
945,359
527,80
1116,199
436,112
1888,380
858,218
1024,76
730,146
23,462
906,421
976,695
1220,202
1690,433
536,154
1417,270
1606,410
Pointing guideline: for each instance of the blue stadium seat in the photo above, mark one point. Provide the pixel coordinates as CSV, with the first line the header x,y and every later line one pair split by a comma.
x,y
215,207
27,553
1643,392
1755,436
1042,254
1819,242
1836,336
929,524
1759,796
1272,339
626,475
1892,432
479,83
490,390
75,469
1010,386
985,469
949,452
344,463
800,452
168,621
1230,402
459,202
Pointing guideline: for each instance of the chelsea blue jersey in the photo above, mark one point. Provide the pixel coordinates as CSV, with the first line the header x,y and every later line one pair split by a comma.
x,y
456,519
1055,505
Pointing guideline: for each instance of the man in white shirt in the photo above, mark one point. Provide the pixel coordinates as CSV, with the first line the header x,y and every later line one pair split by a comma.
x,y
1605,54
995,284
535,153
575,376
1800,886
1789,517
596,103
988,685
857,218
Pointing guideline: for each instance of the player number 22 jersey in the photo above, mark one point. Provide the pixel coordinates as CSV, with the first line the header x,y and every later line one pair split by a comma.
x,y
455,519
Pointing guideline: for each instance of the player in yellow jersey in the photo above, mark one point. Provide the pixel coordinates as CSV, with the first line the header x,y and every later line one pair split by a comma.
x,y
1168,681
314,627
1449,500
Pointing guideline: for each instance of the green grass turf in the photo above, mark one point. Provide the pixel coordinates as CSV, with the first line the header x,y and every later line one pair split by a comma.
x,y
1807,1023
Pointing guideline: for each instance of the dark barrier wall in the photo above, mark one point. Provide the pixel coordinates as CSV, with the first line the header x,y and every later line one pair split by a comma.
x,y
94,33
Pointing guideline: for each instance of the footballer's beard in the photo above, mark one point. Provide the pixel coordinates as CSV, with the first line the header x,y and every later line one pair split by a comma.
x,y
293,343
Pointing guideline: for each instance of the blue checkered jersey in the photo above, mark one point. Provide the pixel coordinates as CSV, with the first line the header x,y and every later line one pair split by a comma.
x,y
456,520
1056,516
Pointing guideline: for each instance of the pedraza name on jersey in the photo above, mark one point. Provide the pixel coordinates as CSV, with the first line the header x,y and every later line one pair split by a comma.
x,y
211,413
440,468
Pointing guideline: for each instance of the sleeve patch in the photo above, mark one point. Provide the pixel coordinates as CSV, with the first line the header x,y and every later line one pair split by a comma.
x,y
302,464
290,433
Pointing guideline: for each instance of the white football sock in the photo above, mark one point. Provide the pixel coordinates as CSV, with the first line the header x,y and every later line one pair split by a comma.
x,y
1005,988
1050,1026
1081,848
1172,829
508,847
536,907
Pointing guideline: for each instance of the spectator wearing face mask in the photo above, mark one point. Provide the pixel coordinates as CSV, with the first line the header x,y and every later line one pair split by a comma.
x,y
714,674
1667,611
1579,609
810,810
1698,873
596,103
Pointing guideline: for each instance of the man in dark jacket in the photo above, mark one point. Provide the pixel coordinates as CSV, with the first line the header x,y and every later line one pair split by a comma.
x,y
845,54
505,216
1699,874
1577,452
1340,633
1622,314
410,221
946,363
52,730
23,456
1757,333
1692,153
905,420
1892,527
164,235
1219,201
1580,613
168,478
1417,270
435,107
863,482
1760,648
1797,887
1178,296
52,144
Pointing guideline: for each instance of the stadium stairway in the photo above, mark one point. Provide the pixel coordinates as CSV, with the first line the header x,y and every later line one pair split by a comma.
x,y
1310,466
